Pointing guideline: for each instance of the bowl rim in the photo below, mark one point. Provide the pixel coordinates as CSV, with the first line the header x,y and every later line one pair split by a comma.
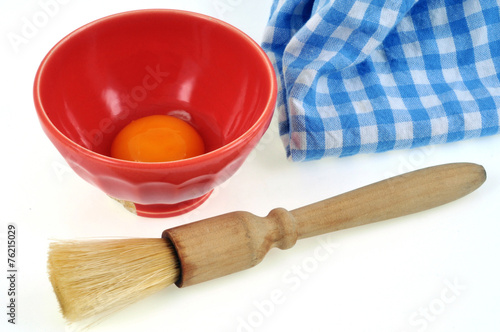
x,y
263,119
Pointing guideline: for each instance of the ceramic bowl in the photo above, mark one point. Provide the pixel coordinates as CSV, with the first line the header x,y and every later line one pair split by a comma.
x,y
126,66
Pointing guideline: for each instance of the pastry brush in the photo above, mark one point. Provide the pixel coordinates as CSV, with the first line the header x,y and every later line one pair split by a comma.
x,y
92,277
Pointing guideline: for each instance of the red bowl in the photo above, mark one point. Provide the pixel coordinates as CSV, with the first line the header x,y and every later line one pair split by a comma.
x,y
126,66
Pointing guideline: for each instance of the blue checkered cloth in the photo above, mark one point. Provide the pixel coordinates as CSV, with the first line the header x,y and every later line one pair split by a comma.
x,y
359,76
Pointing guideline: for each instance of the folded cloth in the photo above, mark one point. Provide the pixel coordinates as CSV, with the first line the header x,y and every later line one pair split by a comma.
x,y
358,76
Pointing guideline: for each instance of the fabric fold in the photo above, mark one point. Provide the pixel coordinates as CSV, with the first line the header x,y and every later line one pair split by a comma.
x,y
371,76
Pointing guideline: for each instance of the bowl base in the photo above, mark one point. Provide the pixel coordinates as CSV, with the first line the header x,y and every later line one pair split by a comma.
x,y
163,210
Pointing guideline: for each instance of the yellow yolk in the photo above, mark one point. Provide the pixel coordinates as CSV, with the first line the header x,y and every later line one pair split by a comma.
x,y
157,138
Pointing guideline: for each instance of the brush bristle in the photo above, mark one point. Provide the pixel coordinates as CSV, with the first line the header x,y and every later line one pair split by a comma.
x,y
96,277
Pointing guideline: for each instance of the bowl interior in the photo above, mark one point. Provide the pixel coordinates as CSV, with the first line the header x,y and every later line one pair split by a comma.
x,y
127,66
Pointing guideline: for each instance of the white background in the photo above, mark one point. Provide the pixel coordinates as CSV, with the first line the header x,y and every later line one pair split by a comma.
x,y
434,271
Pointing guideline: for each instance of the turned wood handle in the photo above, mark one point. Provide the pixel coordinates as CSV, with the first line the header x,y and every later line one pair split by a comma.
x,y
394,197
232,242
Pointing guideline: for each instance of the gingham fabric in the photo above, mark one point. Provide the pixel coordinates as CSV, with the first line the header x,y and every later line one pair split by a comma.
x,y
374,75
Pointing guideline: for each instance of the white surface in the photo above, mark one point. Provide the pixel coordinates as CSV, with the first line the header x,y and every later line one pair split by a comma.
x,y
433,271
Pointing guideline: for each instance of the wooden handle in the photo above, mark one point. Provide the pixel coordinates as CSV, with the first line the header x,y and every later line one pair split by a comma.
x,y
229,243
395,197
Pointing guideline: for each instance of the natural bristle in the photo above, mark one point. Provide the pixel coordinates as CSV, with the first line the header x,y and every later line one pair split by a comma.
x,y
95,277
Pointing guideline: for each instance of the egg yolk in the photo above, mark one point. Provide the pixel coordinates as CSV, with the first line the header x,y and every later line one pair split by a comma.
x,y
157,138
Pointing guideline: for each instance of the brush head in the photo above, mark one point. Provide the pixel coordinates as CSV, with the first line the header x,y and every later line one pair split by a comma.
x,y
96,277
